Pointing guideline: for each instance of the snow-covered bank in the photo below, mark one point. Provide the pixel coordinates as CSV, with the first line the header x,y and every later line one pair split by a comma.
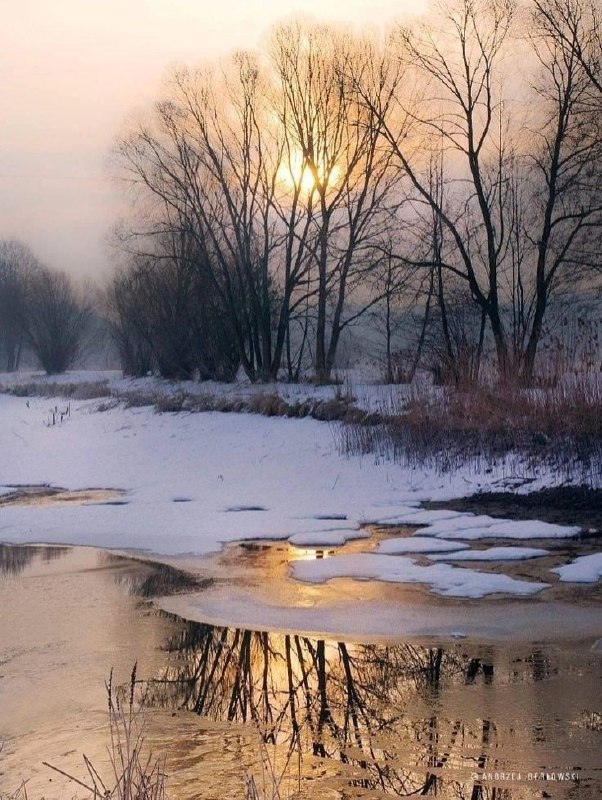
x,y
196,481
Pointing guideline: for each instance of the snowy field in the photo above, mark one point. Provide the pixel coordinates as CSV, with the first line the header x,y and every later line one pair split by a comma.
x,y
193,482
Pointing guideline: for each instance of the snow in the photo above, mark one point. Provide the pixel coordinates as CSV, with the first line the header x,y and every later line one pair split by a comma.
x,y
289,467
442,578
446,550
194,482
326,538
417,544
585,569
468,526
492,554
415,516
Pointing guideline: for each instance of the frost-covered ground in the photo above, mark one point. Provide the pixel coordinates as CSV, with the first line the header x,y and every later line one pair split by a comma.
x,y
196,481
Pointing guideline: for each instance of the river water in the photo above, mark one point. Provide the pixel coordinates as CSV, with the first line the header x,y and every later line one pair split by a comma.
x,y
332,717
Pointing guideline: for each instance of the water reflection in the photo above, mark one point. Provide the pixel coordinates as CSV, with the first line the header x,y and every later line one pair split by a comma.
x,y
150,579
14,559
402,719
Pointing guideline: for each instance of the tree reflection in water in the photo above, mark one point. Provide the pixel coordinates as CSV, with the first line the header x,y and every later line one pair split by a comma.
x,y
14,559
381,712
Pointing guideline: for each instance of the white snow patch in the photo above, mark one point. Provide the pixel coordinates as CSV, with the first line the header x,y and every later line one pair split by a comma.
x,y
442,578
417,544
291,467
420,517
501,529
585,569
492,554
464,525
463,522
326,538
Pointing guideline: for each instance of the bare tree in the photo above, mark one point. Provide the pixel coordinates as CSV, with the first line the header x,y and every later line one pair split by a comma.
x,y
128,321
456,58
164,316
211,156
282,178
336,142
576,28
517,202
567,162
17,263
56,321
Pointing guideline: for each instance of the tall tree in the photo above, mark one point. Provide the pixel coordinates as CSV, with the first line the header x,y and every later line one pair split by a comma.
x,y
567,166
17,264
211,157
336,141
520,189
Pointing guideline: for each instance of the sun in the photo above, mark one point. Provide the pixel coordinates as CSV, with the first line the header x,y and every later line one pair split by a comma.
x,y
295,174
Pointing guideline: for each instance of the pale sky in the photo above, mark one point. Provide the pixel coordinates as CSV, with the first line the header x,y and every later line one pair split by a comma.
x,y
72,70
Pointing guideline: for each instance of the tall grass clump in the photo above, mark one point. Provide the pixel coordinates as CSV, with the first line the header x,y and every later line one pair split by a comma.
x,y
273,781
556,428
134,775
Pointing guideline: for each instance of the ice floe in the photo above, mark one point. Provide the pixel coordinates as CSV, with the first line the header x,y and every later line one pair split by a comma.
x,y
443,579
585,569
417,544
492,554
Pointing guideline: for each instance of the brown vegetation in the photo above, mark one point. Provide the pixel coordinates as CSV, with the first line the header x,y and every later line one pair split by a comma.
x,y
559,428
135,775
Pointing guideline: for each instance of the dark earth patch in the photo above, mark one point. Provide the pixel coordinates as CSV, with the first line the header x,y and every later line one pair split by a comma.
x,y
236,509
563,505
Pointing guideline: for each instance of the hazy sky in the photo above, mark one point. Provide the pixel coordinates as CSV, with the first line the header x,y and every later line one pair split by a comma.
x,y
71,70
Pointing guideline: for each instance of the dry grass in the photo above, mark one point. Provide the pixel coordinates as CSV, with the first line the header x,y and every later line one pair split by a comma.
x,y
268,404
134,775
559,428
272,782
137,775
87,390
19,794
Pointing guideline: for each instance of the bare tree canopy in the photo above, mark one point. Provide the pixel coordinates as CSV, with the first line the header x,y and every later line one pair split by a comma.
x,y
333,174
281,176
17,264
515,207
56,320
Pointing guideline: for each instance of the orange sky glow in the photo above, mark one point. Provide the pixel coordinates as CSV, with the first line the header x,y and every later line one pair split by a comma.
x,y
71,72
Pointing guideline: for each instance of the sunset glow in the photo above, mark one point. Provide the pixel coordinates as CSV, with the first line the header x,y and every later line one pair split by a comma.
x,y
73,72
296,174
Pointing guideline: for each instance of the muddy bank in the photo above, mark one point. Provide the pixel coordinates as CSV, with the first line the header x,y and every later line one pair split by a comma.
x,y
44,495
565,505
